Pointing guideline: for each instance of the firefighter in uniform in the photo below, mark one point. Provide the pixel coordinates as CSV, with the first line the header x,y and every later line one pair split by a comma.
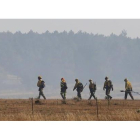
x,y
108,86
64,87
39,84
128,89
92,88
79,87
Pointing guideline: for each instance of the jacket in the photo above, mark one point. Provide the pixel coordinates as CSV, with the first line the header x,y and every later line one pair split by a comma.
x,y
39,82
108,84
63,86
128,86
78,86
92,86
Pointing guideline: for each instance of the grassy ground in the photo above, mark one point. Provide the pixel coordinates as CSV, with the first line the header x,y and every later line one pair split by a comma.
x,y
73,110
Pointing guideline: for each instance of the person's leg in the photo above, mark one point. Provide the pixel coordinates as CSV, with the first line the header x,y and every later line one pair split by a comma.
x,y
131,95
62,95
94,95
41,92
80,95
39,95
90,96
125,95
77,94
108,93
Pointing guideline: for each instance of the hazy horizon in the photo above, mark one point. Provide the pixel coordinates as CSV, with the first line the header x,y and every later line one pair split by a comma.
x,y
95,26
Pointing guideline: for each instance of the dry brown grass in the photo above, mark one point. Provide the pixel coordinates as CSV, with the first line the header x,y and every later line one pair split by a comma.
x,y
55,110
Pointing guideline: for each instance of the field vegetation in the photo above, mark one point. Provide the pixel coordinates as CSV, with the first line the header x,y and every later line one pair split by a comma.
x,y
72,110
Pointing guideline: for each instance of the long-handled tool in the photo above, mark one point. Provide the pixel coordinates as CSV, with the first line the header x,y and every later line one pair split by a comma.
x,y
130,91
84,86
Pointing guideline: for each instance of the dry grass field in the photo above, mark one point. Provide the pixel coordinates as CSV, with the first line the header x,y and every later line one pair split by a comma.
x,y
73,110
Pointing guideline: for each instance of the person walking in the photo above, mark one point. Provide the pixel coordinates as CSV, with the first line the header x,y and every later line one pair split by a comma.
x,y
79,87
128,89
41,85
92,88
108,86
64,87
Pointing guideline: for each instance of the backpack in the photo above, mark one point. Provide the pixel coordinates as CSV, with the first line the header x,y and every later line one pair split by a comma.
x,y
42,84
93,86
80,86
109,84
129,86
65,86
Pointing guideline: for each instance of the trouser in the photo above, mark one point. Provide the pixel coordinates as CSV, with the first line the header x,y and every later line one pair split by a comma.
x,y
79,94
92,94
108,93
63,94
41,93
128,92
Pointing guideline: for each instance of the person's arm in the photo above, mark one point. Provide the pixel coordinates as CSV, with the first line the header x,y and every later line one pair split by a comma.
x,y
131,87
104,86
66,86
95,87
60,86
38,83
111,86
75,87
125,86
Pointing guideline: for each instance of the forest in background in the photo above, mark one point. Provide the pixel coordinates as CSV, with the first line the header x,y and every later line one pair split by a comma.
x,y
24,56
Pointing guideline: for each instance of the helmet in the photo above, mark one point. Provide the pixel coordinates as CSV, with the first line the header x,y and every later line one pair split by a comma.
x,y
90,80
125,79
39,77
106,78
62,79
76,79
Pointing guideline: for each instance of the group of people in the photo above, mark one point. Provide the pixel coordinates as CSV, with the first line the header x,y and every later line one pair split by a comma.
x,y
108,86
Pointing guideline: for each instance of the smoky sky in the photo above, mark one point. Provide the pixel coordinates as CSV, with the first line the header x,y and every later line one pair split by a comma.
x,y
95,26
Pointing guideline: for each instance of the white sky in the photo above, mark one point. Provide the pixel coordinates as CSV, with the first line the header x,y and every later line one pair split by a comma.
x,y
100,26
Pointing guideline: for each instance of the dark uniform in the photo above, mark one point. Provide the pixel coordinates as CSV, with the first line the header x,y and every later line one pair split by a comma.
x,y
39,84
79,87
92,88
108,86
63,86
128,89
